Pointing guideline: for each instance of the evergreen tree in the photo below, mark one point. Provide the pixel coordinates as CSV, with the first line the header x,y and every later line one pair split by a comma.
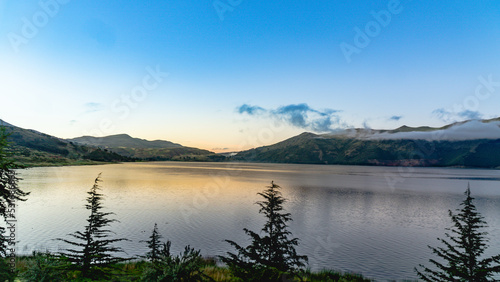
x,y
45,267
187,266
9,194
157,249
95,249
9,189
460,258
273,255
165,267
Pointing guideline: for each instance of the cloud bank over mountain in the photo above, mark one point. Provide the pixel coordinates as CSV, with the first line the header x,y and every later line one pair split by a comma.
x,y
470,130
328,121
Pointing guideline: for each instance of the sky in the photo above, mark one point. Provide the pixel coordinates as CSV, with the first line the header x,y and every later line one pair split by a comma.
x,y
228,75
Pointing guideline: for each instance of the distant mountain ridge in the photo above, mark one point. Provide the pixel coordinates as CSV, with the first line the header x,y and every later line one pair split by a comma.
x,y
32,148
474,143
124,140
3,123
465,130
157,150
464,144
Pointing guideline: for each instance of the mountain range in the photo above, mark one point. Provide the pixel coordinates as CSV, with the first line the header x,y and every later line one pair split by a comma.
x,y
473,143
158,150
32,148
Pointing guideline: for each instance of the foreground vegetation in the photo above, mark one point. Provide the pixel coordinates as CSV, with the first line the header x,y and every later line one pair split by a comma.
x,y
39,268
271,256
92,254
462,251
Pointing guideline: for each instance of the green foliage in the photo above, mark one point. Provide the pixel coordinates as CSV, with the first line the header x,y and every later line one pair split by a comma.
x,y
31,148
158,150
45,267
9,194
329,275
273,256
124,141
460,258
6,273
309,148
157,249
9,189
94,251
187,266
485,155
164,267
103,155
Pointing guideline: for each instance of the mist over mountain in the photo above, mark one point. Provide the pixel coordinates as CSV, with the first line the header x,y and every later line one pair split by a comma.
x,y
466,130
474,143
466,144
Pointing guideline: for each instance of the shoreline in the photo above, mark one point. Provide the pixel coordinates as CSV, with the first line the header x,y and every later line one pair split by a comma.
x,y
87,163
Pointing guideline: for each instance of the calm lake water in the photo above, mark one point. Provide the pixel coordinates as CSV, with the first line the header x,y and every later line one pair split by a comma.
x,y
376,221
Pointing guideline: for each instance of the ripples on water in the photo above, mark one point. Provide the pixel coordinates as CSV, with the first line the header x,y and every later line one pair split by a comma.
x,y
347,217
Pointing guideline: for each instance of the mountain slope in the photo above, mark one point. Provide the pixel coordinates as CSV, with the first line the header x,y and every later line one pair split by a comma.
x,y
158,150
3,123
452,145
32,148
124,140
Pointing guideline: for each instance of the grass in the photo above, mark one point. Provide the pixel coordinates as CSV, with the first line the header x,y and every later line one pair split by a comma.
x,y
330,275
132,271
30,164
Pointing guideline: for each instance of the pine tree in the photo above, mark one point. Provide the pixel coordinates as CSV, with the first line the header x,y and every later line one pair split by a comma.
x,y
461,254
9,194
45,267
157,249
95,249
187,266
273,255
9,189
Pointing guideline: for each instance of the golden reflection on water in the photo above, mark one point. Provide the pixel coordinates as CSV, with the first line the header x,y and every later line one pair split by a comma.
x,y
346,217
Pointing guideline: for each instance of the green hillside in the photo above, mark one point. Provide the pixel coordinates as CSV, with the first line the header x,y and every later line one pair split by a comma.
x,y
356,147
124,140
309,148
32,148
158,150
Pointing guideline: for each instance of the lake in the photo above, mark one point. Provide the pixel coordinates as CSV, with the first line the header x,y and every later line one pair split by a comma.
x,y
376,221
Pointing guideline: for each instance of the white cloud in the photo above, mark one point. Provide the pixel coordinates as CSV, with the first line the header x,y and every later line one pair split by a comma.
x,y
470,130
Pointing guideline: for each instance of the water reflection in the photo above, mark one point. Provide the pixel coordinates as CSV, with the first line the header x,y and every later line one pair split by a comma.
x,y
346,217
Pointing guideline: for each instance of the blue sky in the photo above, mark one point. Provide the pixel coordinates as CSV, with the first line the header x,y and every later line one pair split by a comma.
x,y
189,71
